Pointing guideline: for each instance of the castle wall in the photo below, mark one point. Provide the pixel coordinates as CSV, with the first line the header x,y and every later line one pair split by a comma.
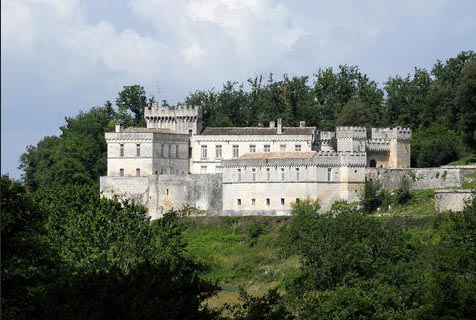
x,y
202,191
422,178
212,164
381,159
452,200
270,186
161,193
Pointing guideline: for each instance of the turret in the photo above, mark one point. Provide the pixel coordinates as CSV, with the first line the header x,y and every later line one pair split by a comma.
x,y
181,119
351,139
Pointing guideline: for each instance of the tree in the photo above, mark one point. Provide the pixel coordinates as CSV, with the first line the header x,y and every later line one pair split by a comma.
x,y
27,262
94,233
132,99
77,156
453,266
466,101
352,265
435,146
355,114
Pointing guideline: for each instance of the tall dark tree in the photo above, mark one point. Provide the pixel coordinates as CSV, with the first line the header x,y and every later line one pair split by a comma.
x,y
355,113
27,263
466,101
132,99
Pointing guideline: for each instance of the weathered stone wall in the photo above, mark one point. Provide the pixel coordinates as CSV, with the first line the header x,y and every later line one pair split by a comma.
x,y
202,191
422,178
163,192
451,200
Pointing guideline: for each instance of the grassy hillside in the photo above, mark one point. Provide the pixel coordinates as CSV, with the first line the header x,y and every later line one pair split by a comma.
x,y
248,252
241,251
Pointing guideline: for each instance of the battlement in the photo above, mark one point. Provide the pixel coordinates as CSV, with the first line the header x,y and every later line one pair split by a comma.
x,y
341,159
358,133
378,144
156,111
327,135
181,118
397,133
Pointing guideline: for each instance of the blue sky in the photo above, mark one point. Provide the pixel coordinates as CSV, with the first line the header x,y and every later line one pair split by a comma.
x,y
62,56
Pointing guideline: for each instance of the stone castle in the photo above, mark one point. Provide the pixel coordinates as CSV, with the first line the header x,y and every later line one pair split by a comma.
x,y
174,162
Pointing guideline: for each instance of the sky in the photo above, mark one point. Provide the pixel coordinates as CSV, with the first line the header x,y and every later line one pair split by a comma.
x,y
62,56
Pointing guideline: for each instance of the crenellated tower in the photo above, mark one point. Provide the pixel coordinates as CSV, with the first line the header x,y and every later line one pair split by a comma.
x,y
181,119
399,143
351,139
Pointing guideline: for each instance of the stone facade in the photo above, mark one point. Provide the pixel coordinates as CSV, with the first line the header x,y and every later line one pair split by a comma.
x,y
452,200
243,171
423,178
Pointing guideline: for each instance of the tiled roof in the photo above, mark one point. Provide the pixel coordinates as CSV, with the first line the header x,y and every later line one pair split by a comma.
x,y
279,155
148,130
257,131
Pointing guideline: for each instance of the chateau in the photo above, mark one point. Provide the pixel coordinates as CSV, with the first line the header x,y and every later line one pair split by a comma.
x,y
174,162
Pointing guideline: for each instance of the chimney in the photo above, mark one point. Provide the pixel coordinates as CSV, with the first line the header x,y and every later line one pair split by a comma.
x,y
302,124
271,124
119,126
280,126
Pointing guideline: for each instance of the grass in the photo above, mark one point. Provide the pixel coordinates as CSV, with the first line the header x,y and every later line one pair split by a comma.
x,y
421,203
246,252
241,252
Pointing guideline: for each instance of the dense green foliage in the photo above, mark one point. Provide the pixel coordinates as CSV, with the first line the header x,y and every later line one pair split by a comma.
x,y
73,255
77,156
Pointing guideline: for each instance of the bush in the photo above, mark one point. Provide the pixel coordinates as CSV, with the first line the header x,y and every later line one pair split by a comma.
x,y
435,146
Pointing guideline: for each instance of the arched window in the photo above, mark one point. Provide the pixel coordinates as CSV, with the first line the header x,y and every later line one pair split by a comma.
x,y
373,163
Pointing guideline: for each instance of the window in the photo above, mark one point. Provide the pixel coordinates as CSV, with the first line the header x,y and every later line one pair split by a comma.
x,y
268,174
297,147
170,151
297,174
282,174
253,202
236,151
239,174
161,170
137,150
297,200
203,169
121,172
218,151
162,150
239,202
282,148
329,174
267,148
254,174
252,148
121,150
282,201
176,151
268,202
137,172
204,152
167,191
218,169
156,172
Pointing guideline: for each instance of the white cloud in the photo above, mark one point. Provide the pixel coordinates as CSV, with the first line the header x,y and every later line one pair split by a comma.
x,y
193,53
